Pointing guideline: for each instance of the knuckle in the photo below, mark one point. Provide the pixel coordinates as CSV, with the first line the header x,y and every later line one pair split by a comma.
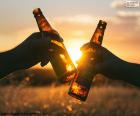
x,y
35,34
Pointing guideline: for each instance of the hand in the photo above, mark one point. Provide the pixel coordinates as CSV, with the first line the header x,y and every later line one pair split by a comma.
x,y
104,61
33,50
98,59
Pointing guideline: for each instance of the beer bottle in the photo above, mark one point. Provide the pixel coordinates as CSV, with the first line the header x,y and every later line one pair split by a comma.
x,y
82,81
59,57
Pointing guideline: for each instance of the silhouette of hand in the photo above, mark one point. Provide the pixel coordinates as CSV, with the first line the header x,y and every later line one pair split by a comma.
x,y
33,50
98,59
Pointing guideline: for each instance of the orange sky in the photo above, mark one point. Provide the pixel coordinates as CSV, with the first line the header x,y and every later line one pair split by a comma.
x,y
76,22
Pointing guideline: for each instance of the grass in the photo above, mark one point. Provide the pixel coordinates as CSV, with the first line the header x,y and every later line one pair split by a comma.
x,y
102,101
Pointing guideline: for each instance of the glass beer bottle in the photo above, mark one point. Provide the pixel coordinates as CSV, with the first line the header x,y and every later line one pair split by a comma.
x,y
60,61
82,81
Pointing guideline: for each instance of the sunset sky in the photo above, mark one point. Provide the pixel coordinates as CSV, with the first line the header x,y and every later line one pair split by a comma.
x,y
76,21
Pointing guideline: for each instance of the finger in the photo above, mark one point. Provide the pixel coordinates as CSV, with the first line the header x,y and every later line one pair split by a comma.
x,y
56,48
36,34
44,62
88,46
85,46
52,36
45,36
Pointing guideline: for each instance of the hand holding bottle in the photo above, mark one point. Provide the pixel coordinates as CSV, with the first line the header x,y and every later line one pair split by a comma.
x,y
31,51
112,66
82,81
61,62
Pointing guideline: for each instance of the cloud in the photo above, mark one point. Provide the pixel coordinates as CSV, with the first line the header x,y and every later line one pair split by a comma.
x,y
82,19
77,26
84,24
120,31
125,25
122,37
125,4
129,14
129,19
117,4
10,40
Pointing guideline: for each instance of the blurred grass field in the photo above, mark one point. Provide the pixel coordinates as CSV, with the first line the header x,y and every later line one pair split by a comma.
x,y
54,101
37,92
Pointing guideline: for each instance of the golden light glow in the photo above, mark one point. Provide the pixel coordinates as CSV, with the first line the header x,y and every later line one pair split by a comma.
x,y
75,54
57,43
75,88
63,57
69,67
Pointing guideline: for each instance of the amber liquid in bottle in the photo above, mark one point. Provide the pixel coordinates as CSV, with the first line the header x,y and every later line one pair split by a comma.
x,y
60,61
82,81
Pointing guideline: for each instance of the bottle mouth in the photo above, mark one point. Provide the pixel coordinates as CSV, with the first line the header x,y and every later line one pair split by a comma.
x,y
102,24
37,11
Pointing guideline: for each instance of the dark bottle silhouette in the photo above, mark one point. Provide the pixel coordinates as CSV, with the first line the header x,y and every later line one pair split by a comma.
x,y
59,57
82,81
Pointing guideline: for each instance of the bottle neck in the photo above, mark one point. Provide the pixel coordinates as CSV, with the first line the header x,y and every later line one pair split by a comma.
x,y
43,24
97,37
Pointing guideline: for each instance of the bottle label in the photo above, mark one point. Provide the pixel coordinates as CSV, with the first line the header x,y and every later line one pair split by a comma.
x,y
79,90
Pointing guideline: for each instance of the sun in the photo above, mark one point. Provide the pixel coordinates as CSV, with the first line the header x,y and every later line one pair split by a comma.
x,y
75,54
73,47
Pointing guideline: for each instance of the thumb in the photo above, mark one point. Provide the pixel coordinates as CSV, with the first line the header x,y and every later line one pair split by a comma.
x,y
44,61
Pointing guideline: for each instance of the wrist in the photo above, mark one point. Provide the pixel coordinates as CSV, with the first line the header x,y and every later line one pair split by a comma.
x,y
115,69
6,63
131,73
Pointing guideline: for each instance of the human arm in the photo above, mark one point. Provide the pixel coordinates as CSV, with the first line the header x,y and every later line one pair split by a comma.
x,y
113,67
31,51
